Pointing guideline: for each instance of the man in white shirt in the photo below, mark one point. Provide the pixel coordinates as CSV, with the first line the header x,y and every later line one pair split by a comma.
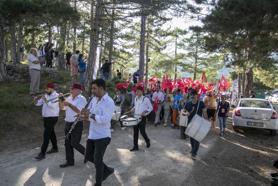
x,y
99,113
34,71
73,106
158,99
142,108
50,114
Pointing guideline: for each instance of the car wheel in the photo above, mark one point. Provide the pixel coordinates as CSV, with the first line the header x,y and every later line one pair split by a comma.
x,y
273,132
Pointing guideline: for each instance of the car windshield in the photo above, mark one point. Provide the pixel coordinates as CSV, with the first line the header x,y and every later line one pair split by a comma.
x,y
255,103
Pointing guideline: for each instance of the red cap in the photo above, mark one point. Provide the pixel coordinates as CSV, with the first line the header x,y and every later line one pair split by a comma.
x,y
50,85
76,86
140,88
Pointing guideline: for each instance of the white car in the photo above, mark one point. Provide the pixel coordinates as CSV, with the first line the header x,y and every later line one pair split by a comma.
x,y
255,113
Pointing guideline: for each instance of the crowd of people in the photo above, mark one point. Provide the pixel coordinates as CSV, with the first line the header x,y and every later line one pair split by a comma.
x,y
167,107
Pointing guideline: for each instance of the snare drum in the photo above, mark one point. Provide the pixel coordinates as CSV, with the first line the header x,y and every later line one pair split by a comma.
x,y
130,121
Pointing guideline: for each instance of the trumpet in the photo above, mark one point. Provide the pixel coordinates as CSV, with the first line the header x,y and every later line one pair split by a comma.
x,y
59,98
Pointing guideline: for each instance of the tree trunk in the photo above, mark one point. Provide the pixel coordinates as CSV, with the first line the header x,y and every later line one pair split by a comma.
x,y
249,82
74,29
147,56
61,49
176,55
68,34
49,33
33,39
239,83
83,38
142,46
20,43
6,52
100,52
94,39
243,82
111,41
196,57
2,52
13,43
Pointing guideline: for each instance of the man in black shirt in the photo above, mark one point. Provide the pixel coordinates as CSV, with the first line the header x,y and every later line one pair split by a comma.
x,y
105,69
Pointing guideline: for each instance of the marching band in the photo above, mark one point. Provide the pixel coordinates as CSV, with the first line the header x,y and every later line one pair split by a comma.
x,y
98,112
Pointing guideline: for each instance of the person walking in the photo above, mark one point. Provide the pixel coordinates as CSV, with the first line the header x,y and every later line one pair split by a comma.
x,y
50,114
158,99
142,108
211,105
82,66
73,106
167,110
176,107
223,110
192,107
34,71
99,113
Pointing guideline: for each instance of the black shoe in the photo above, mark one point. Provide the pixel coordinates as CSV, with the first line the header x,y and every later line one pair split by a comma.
x,y
274,174
66,165
52,151
148,144
40,157
134,149
105,176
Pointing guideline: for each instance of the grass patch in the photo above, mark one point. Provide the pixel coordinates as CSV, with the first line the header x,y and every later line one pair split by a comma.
x,y
15,95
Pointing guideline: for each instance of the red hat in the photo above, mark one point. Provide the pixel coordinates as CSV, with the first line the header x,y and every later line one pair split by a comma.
x,y
50,85
76,86
140,88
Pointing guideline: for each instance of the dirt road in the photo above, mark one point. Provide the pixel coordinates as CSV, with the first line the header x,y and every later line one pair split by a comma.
x,y
236,159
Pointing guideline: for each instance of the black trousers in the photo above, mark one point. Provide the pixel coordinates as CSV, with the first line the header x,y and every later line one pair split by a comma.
x,y
49,133
73,141
95,150
142,128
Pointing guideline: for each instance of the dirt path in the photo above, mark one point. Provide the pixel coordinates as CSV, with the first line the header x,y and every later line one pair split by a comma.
x,y
236,159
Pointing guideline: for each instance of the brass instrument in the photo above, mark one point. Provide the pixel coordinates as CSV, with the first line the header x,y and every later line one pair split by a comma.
x,y
55,100
60,98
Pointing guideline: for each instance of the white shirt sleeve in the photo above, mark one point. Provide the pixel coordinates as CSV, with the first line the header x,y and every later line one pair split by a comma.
x,y
154,96
81,103
107,113
40,102
148,105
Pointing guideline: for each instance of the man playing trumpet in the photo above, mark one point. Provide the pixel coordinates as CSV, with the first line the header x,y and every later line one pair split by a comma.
x,y
73,106
50,114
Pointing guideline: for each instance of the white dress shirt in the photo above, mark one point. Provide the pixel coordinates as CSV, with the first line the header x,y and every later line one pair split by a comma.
x,y
142,104
31,59
103,110
51,108
158,96
79,102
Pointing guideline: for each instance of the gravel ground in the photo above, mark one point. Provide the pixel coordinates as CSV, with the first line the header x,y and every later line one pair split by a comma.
x,y
236,159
